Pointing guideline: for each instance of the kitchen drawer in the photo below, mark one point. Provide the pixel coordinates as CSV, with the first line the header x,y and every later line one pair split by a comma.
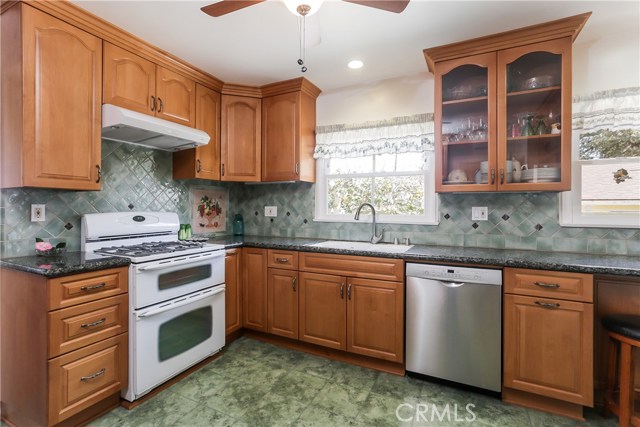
x,y
84,377
549,284
353,266
80,288
84,324
287,260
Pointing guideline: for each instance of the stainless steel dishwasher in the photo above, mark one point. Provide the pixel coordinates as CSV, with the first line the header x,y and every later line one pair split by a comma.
x,y
454,324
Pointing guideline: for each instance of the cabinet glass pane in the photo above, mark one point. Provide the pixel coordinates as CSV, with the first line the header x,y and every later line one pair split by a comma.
x,y
464,125
533,117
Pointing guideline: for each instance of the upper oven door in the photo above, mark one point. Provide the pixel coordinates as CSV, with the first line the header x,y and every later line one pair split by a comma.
x,y
157,281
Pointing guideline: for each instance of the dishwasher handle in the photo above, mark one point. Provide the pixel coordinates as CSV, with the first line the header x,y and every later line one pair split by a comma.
x,y
450,284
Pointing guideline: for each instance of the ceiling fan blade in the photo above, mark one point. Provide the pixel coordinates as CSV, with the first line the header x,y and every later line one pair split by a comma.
x,y
395,6
227,6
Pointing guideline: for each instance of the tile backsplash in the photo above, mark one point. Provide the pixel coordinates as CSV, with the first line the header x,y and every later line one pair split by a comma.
x,y
137,178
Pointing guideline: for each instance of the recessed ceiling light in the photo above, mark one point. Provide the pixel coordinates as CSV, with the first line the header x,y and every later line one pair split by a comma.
x,y
355,64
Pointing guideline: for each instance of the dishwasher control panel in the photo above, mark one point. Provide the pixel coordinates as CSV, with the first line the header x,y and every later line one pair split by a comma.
x,y
458,274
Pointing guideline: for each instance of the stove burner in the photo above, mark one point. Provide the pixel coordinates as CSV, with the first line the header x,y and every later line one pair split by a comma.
x,y
150,248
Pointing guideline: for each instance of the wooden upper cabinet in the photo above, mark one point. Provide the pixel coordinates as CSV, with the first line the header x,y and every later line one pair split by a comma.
x,y
134,83
51,110
202,162
288,131
241,124
176,97
129,81
503,109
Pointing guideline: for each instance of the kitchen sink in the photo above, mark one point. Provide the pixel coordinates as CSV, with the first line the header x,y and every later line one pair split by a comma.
x,y
363,246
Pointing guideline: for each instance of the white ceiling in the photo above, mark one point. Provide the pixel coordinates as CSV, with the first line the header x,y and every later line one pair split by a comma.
x,y
259,44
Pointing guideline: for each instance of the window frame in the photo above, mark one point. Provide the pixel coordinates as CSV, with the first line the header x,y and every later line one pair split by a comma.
x,y
570,214
431,199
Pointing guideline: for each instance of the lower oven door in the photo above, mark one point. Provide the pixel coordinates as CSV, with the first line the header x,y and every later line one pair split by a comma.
x,y
172,336
162,280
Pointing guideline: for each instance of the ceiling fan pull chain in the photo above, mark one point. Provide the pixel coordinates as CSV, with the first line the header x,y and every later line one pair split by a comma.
x,y
302,11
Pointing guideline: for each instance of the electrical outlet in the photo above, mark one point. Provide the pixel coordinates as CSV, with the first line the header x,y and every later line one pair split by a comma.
x,y
270,211
479,213
37,213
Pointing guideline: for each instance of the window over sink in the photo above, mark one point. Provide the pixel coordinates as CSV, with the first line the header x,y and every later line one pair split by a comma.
x,y
387,163
606,161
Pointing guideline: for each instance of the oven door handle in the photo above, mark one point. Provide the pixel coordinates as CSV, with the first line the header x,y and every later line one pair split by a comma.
x,y
186,301
190,260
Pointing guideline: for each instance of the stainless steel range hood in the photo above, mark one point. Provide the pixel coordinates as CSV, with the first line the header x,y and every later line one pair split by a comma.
x,y
122,125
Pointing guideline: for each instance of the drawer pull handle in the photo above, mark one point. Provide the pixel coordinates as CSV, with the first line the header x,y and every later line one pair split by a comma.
x,y
96,323
93,376
547,285
293,284
547,304
93,287
282,260
349,291
342,290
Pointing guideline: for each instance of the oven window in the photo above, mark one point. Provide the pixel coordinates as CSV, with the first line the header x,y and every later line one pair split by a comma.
x,y
184,332
184,276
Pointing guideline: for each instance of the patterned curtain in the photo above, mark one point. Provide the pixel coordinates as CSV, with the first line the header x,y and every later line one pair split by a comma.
x,y
408,134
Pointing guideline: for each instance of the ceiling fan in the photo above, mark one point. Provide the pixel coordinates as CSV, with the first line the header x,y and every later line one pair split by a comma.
x,y
224,7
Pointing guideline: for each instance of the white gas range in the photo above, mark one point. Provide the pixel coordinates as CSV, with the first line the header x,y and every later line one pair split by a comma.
x,y
176,293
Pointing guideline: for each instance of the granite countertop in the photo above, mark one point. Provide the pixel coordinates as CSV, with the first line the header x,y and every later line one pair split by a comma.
x,y
62,265
557,261
76,262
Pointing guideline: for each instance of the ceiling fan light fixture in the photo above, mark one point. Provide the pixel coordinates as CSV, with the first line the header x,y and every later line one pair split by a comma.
x,y
355,64
303,7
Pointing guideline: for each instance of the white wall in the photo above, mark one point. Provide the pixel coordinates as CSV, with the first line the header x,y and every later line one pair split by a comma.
x,y
608,61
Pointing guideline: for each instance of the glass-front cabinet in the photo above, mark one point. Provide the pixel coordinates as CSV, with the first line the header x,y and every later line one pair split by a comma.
x,y
465,117
503,109
534,117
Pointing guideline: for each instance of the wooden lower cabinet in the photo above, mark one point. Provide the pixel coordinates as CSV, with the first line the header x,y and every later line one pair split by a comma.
x,y
282,310
548,347
64,347
254,289
323,311
375,318
233,294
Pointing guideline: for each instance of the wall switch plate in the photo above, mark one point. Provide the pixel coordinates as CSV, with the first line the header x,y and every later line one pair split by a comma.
x,y
479,213
270,211
37,213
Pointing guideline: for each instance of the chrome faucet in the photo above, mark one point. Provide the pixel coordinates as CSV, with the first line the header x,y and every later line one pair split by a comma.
x,y
374,238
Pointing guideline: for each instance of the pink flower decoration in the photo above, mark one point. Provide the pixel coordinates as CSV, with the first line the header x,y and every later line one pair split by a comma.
x,y
43,246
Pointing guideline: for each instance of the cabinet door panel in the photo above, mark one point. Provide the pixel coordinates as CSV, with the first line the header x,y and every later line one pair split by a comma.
x,y
254,289
176,97
281,137
233,301
283,303
208,120
548,350
534,93
375,318
323,314
62,87
240,132
466,116
129,80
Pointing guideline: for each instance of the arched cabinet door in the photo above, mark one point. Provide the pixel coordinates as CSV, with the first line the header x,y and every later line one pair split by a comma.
x,y
129,80
465,124
176,97
240,132
534,117
62,68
